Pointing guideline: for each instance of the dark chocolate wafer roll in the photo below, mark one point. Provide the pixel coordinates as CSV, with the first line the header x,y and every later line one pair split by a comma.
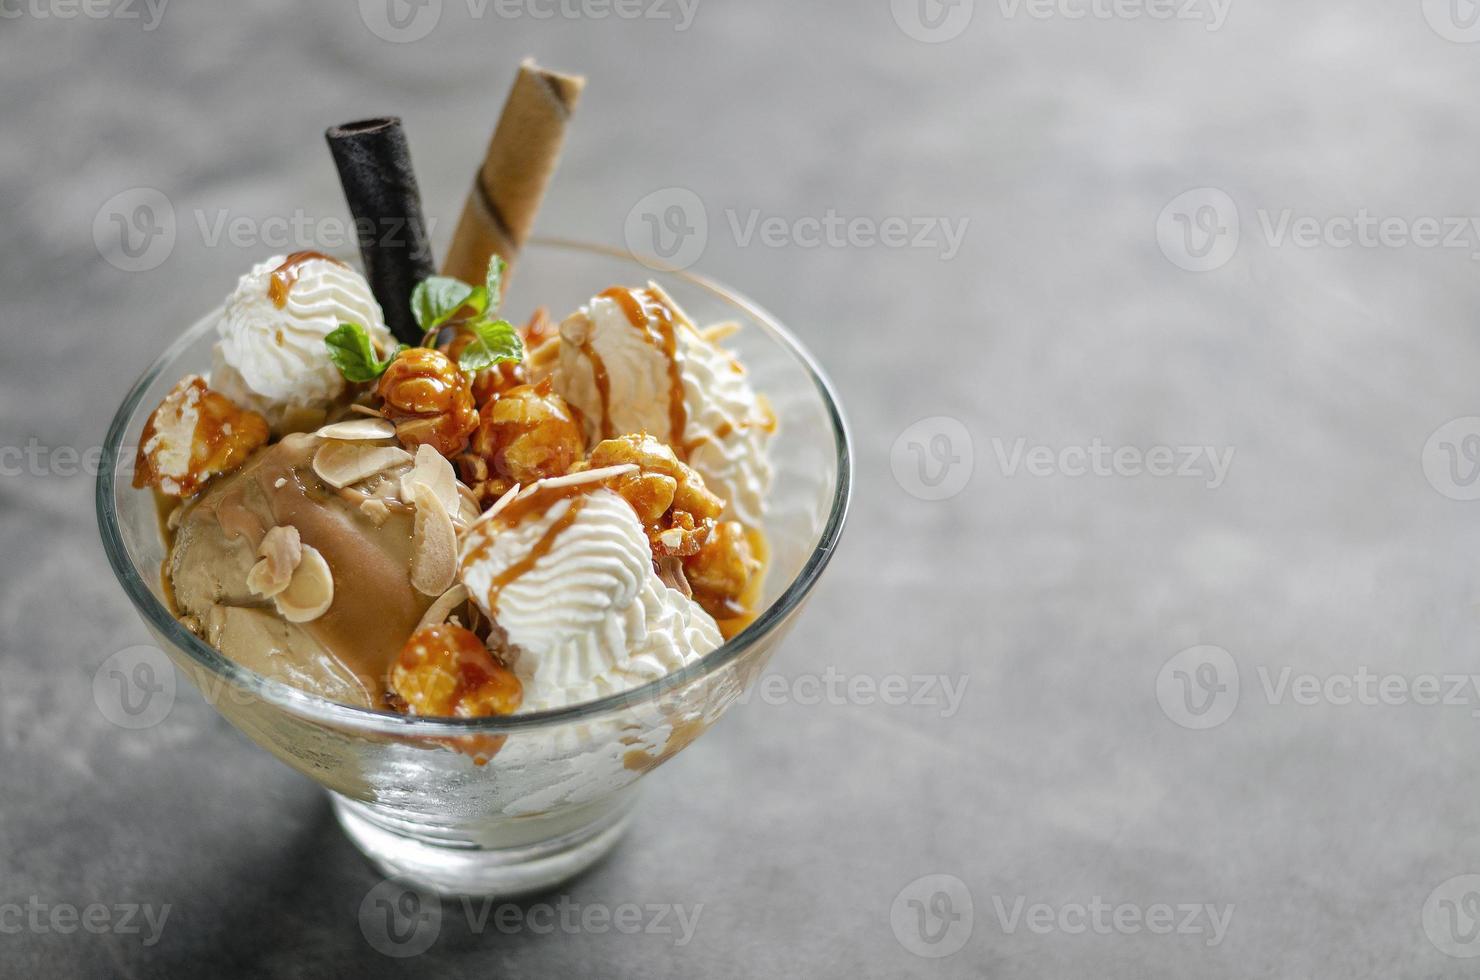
x,y
375,168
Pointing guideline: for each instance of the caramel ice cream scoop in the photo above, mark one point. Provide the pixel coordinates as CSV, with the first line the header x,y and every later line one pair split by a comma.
x,y
331,611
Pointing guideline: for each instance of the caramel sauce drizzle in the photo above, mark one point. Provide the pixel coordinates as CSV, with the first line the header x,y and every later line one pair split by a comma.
x,y
541,500
285,275
653,317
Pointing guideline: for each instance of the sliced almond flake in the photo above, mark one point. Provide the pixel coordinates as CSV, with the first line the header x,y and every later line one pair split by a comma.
x,y
717,333
367,410
468,505
359,429
434,543
438,611
503,501
311,591
433,471
281,552
585,476
341,463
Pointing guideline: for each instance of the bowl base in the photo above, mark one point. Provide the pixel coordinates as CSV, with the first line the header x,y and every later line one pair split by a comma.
x,y
458,870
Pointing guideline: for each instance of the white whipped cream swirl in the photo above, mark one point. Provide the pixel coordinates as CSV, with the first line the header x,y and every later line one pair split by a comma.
x,y
726,425
272,359
590,617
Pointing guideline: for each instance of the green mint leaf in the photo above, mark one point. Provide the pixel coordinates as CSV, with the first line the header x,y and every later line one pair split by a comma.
x,y
494,342
495,281
436,299
351,351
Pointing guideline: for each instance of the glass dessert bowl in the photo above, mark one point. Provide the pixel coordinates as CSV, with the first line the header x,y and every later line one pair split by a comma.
x,y
513,802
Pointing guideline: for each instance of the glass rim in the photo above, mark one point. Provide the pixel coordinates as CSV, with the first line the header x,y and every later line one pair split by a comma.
x,y
320,709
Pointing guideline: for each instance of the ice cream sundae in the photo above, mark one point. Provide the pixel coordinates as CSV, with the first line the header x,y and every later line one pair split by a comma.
x,y
489,520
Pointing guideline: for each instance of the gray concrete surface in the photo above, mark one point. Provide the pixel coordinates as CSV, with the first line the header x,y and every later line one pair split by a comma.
x,y
1065,795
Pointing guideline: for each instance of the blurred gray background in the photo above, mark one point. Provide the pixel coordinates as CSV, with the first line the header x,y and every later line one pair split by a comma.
x,y
1235,225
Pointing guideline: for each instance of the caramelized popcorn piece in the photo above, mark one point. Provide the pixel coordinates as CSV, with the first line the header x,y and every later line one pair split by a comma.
x,y
650,494
195,434
446,671
722,570
526,434
494,381
652,456
676,509
430,400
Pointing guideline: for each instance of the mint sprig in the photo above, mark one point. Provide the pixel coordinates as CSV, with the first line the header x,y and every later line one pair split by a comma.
x,y
494,341
351,351
437,299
